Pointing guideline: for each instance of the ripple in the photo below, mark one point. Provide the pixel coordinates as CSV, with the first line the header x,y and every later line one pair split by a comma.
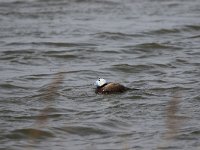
x,y
150,45
115,125
171,88
153,46
29,133
131,68
54,44
197,98
25,57
82,130
58,54
195,37
196,133
165,31
192,27
11,86
10,52
185,28
189,134
115,36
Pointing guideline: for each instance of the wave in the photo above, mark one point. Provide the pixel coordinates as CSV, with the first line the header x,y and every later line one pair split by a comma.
x,y
115,35
54,44
29,133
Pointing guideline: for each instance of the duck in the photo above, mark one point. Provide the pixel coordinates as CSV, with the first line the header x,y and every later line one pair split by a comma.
x,y
104,87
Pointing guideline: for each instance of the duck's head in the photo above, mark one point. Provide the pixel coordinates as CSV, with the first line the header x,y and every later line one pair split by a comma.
x,y
100,82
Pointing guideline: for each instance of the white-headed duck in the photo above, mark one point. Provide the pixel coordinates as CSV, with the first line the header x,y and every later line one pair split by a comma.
x,y
104,87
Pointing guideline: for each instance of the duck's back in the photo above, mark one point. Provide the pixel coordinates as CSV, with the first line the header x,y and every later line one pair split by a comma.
x,y
110,88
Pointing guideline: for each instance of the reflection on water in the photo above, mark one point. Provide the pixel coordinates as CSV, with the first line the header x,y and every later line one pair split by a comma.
x,y
48,96
172,122
151,45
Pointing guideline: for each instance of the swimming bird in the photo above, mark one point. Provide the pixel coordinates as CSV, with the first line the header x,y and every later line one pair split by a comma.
x,y
104,87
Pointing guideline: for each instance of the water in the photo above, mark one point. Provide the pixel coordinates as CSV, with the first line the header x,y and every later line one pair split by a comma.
x,y
51,53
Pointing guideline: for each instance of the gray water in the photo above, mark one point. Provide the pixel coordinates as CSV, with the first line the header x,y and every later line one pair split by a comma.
x,y
51,53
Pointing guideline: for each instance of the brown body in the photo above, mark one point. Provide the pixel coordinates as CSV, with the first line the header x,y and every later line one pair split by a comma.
x,y
110,88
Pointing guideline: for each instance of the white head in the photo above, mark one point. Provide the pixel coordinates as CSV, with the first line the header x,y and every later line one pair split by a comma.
x,y
100,82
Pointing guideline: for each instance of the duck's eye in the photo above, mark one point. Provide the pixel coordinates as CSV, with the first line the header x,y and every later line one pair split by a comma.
x,y
99,79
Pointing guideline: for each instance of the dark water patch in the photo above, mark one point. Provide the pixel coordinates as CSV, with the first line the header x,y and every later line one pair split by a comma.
x,y
114,36
7,57
197,97
87,113
181,61
192,27
175,31
164,31
195,133
54,110
31,118
112,3
50,115
82,130
164,66
135,96
20,15
195,37
60,54
188,134
52,52
168,147
153,46
102,51
13,3
12,86
53,44
14,100
187,137
21,52
186,61
29,133
32,6
64,56
50,75
126,68
42,75
193,53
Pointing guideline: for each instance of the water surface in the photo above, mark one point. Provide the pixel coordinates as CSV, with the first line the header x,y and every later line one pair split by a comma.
x,y
51,53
